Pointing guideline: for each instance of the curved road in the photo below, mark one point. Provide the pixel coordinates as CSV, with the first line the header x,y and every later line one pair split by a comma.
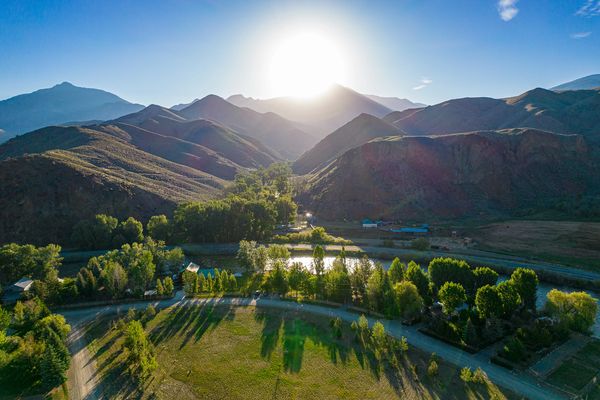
x,y
83,382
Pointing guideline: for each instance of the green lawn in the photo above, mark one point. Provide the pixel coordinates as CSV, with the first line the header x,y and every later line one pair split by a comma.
x,y
576,372
256,353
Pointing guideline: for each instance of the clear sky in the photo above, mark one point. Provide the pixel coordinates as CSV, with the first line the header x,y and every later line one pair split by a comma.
x,y
172,51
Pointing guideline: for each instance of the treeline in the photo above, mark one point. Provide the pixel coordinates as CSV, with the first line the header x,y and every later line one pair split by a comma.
x,y
34,358
254,205
130,271
476,306
126,272
217,282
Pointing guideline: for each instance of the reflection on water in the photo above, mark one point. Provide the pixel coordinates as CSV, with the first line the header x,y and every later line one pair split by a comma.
x,y
543,288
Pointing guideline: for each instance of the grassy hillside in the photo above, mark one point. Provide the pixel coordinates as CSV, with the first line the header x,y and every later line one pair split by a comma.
x,y
44,194
256,353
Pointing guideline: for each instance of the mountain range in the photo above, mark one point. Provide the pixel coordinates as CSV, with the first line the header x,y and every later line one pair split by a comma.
x,y
60,104
587,82
460,158
321,115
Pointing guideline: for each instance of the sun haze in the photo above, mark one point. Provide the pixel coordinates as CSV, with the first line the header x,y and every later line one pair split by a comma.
x,y
304,64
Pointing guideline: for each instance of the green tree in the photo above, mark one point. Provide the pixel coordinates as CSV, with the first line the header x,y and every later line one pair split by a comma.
x,y
86,282
484,276
416,275
488,302
95,234
278,254
420,244
336,282
190,283
380,292
286,209
132,230
509,296
114,279
297,276
451,295
160,289
525,281
140,352
442,270
277,278
246,255
410,303
360,277
318,264
379,338
159,228
40,263
396,271
576,310
168,286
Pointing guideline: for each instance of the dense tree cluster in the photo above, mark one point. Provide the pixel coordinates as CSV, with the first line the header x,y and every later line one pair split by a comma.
x,y
106,232
256,203
17,261
35,353
219,281
131,269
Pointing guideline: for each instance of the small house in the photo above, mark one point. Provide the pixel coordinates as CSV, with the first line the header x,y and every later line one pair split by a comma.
x,y
367,223
192,267
13,292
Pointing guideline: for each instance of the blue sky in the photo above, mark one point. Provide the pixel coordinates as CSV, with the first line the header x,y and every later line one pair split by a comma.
x,y
172,51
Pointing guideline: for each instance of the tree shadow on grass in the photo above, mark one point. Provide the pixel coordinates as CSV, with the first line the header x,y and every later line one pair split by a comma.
x,y
191,320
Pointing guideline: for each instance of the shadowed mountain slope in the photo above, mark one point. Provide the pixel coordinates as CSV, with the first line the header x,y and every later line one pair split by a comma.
x,y
276,132
356,132
490,173
569,112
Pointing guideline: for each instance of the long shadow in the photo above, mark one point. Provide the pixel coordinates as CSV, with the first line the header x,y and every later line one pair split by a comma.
x,y
270,331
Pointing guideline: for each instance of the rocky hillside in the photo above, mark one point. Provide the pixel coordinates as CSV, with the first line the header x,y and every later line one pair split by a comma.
x,y
487,173
568,112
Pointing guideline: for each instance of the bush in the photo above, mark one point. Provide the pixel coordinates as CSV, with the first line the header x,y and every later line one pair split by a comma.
x,y
420,244
466,374
514,350
432,369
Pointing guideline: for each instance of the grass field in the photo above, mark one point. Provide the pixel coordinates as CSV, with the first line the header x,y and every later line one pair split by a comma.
x,y
566,242
576,372
248,353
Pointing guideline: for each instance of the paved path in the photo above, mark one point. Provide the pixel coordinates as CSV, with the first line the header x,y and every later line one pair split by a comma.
x,y
553,359
85,387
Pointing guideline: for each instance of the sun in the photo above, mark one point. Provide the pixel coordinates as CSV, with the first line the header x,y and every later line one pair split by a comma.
x,y
305,64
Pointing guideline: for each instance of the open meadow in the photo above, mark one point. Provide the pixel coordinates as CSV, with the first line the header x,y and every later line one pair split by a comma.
x,y
220,352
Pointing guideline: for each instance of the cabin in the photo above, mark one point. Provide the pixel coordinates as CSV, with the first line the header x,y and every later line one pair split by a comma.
x,y
14,292
192,267
368,224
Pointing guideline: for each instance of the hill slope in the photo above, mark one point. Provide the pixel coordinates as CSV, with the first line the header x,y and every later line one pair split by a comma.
x,y
489,173
275,132
587,82
54,177
63,103
395,103
320,115
569,112
356,132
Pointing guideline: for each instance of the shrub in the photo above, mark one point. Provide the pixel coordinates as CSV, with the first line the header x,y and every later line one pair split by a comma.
x,y
466,374
432,369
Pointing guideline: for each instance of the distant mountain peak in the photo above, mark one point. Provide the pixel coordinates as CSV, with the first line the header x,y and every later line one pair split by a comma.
x,y
585,83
